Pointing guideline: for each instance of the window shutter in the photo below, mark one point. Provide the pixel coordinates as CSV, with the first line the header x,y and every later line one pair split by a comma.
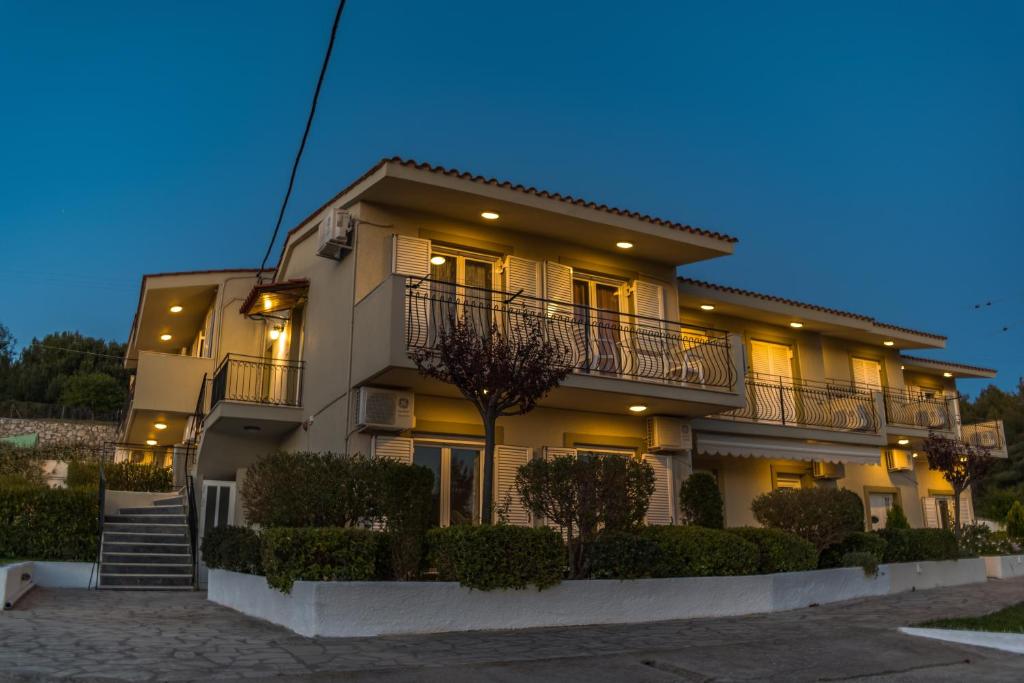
x,y
771,359
410,256
507,461
648,300
966,509
866,373
660,509
931,513
558,284
394,447
521,274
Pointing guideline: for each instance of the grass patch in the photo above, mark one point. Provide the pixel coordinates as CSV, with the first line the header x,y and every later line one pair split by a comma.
x,y
1009,620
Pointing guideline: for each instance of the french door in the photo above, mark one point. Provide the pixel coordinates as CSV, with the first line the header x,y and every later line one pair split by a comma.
x,y
458,494
461,288
774,393
597,313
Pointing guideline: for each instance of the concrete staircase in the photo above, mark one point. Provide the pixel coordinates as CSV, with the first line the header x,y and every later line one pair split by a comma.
x,y
147,548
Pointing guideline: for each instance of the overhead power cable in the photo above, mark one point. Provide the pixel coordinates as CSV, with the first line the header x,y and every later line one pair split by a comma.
x,y
64,348
305,135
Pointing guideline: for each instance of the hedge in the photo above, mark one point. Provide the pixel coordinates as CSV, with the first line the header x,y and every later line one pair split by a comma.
x,y
819,515
234,548
979,539
498,556
621,555
40,523
121,476
318,554
919,545
865,560
695,551
860,542
700,501
779,551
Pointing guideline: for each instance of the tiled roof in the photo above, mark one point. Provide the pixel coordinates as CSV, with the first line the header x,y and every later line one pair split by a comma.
x,y
935,361
801,304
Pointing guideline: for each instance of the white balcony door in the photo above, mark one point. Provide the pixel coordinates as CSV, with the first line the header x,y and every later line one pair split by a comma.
x,y
772,365
597,312
880,504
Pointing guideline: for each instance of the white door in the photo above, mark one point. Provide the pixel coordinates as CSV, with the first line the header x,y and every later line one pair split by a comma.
x,y
880,504
217,509
774,396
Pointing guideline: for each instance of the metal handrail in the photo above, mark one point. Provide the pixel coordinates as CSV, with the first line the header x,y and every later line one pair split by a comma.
x,y
252,379
102,500
596,341
988,434
193,526
905,408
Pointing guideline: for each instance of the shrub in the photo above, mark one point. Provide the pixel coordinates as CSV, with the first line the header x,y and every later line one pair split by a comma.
x,y
40,523
979,539
700,501
120,476
695,551
865,560
995,503
1015,522
778,550
819,515
318,554
918,545
18,464
621,555
401,500
234,548
858,542
896,519
498,556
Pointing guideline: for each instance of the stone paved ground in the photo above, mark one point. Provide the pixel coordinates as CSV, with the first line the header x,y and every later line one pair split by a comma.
x,y
139,636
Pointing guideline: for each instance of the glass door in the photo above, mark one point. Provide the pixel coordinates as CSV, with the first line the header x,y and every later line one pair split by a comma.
x,y
597,312
458,481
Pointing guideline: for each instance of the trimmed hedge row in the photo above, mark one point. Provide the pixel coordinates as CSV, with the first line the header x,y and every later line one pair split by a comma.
x,y
121,476
40,523
234,548
918,545
695,551
779,551
499,556
318,554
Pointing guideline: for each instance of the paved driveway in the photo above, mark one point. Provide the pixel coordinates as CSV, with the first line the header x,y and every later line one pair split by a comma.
x,y
180,636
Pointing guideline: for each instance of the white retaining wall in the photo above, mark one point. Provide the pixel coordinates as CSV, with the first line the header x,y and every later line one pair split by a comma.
x,y
14,585
370,608
1004,566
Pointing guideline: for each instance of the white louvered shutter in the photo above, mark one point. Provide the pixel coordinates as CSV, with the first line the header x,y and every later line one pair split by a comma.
x,y
507,461
931,513
650,345
564,329
866,373
648,300
521,274
966,509
393,447
660,509
774,364
410,256
558,285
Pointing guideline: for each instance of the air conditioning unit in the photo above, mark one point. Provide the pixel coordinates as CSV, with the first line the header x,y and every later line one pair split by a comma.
x,y
827,470
384,409
334,234
668,435
897,460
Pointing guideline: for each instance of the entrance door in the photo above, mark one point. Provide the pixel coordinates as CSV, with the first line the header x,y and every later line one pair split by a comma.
x,y
458,494
217,509
880,504
774,393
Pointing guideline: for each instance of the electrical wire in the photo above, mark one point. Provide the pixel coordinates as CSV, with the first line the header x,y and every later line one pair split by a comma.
x,y
305,136
63,348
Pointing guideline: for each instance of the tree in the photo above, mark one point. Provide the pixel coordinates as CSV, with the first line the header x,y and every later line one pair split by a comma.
x,y
45,365
700,501
500,374
819,515
960,463
7,342
1015,522
93,390
896,519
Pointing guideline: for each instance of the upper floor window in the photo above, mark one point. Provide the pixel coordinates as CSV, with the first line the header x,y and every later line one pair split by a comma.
x,y
774,361
460,268
866,372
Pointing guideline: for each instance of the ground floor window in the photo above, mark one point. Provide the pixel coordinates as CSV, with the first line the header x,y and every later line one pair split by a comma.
x,y
589,452
880,504
788,481
944,508
459,490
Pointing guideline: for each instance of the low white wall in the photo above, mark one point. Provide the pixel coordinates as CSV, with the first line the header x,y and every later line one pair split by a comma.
x,y
370,608
1004,566
115,500
15,581
64,574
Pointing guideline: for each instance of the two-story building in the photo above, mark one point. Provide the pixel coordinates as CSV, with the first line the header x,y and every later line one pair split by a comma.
x,y
759,391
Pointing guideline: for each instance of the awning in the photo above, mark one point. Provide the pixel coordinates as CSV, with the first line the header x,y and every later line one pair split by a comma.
x,y
784,449
275,296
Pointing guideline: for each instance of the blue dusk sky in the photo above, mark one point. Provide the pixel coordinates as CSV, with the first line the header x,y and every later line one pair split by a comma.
x,y
869,156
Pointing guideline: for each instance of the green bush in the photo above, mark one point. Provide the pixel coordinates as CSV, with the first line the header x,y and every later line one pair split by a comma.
x,y
401,499
865,560
896,519
979,539
19,464
858,542
995,503
498,556
621,555
820,515
1015,522
696,551
120,476
700,501
234,548
318,554
918,545
779,551
40,523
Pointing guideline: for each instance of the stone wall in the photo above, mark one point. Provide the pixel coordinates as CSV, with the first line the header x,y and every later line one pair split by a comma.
x,y
58,432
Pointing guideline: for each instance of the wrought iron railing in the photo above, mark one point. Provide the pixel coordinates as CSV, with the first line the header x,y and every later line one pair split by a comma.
x,y
910,409
257,380
189,493
596,341
984,435
824,405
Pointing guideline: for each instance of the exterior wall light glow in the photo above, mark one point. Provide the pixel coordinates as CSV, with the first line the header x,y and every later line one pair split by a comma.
x,y
490,215
796,325
160,425
150,442
914,454
437,260
267,303
947,374
165,337
903,442
275,332
889,342
176,309
707,307
624,245
637,409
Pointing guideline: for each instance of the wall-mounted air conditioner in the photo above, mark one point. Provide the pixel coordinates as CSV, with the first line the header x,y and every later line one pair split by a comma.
x,y
668,435
827,470
384,409
335,234
898,460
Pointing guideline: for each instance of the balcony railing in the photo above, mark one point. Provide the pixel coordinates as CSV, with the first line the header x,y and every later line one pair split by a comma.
x,y
984,435
252,379
824,405
908,409
596,341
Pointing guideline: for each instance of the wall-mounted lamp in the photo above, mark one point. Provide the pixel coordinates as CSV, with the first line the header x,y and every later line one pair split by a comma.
x,y
276,331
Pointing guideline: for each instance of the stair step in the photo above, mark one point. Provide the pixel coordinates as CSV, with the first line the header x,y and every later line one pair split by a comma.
x,y
148,558
146,588
145,519
131,548
143,528
145,537
145,580
112,568
177,500
154,510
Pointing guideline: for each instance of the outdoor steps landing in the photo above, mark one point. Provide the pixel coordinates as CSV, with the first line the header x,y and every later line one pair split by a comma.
x,y
147,548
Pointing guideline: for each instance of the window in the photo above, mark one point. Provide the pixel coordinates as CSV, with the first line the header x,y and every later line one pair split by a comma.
x,y
774,397
944,506
588,452
866,372
597,308
880,504
461,286
458,480
788,481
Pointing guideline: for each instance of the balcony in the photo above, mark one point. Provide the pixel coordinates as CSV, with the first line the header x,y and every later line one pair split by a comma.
x,y
616,359
913,411
987,435
252,396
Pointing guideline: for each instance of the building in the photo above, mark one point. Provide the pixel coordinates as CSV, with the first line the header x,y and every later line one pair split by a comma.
x,y
762,392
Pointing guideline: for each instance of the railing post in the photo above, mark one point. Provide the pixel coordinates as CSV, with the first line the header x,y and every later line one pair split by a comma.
x,y
782,401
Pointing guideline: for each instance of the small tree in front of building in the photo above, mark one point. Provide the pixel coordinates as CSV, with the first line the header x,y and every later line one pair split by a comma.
x,y
501,374
961,464
1015,522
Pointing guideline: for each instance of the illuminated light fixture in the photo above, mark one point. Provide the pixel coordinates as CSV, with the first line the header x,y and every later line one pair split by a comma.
x,y
889,342
150,442
914,454
624,245
165,337
707,307
490,215
275,332
267,303
947,374
796,325
437,260
160,425
637,409
903,442
903,367
176,309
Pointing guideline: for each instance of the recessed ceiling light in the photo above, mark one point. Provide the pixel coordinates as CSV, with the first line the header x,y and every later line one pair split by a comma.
x,y
637,409
150,442
437,260
947,374
624,245
490,215
889,342
176,309
903,442
160,425
267,303
251,428
914,454
165,337
796,324
707,307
